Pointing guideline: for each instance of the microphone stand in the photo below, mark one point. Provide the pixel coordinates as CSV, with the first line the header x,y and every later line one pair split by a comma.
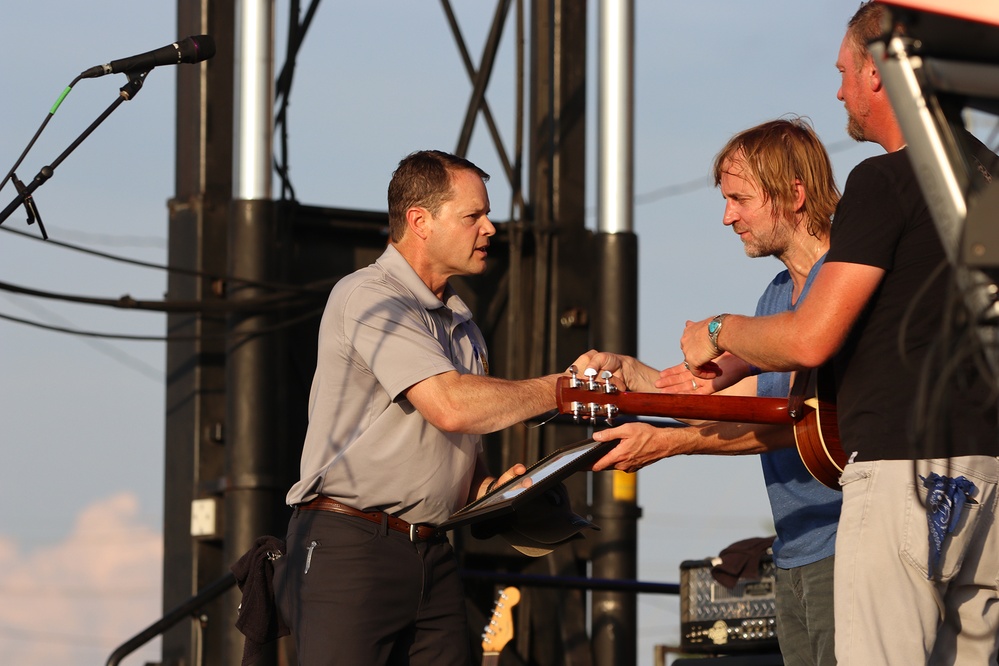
x,y
24,192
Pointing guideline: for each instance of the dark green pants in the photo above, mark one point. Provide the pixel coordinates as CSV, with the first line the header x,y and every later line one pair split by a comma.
x,y
805,618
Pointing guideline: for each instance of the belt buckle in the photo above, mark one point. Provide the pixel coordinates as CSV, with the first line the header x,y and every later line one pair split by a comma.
x,y
414,532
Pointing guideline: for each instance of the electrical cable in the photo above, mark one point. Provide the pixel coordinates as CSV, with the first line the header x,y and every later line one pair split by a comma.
x,y
259,305
282,96
239,337
954,360
318,286
82,333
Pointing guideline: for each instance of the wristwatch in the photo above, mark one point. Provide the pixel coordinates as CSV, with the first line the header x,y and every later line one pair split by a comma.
x,y
714,328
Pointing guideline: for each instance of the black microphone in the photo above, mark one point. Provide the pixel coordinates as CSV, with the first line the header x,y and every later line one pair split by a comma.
x,y
190,50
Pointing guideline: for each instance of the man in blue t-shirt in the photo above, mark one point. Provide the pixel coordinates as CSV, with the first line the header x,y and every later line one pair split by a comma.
x,y
779,197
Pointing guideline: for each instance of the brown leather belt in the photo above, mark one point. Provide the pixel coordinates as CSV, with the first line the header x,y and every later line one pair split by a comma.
x,y
413,531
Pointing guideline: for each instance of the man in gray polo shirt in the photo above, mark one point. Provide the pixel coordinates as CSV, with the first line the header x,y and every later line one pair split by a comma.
x,y
399,400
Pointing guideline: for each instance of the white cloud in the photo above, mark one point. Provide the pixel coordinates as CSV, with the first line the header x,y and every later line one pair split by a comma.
x,y
75,602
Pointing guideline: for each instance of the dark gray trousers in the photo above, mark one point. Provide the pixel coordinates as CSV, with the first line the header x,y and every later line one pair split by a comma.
x,y
355,592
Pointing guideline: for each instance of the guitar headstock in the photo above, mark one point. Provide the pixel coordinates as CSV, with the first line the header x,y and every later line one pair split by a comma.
x,y
499,631
587,399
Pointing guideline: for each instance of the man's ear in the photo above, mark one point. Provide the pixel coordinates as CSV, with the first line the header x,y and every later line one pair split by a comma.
x,y
875,78
799,196
418,221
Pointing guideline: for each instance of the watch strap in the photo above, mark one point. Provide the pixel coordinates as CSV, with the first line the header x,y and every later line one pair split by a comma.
x,y
714,328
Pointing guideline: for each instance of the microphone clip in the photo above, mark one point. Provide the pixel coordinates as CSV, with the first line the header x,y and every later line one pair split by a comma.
x,y
135,80
29,205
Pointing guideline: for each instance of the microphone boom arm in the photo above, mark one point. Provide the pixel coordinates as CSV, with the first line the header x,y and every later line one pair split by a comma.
x,y
126,93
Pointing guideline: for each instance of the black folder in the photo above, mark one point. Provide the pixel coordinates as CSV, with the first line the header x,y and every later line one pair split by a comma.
x,y
538,478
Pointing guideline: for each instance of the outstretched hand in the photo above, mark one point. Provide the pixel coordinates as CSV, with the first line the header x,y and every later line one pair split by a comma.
x,y
601,361
628,373
639,446
678,379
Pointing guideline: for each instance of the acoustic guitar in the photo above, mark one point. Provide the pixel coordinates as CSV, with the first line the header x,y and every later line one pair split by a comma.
x,y
816,432
499,630
809,410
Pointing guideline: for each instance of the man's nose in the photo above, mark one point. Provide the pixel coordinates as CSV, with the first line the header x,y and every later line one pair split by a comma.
x,y
488,229
730,215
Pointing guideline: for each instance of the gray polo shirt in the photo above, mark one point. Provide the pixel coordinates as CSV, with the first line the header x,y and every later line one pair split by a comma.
x,y
383,331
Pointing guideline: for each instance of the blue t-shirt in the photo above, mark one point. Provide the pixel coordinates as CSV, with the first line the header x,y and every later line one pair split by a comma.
x,y
805,511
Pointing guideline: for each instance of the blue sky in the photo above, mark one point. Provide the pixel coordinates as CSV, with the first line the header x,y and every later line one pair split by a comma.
x,y
82,417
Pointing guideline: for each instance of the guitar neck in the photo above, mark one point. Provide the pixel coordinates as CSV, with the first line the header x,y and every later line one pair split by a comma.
x,y
490,659
710,407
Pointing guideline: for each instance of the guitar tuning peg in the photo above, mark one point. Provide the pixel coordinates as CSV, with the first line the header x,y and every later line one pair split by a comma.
x,y
608,384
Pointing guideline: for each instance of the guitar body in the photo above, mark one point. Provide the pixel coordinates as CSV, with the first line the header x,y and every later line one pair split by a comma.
x,y
816,432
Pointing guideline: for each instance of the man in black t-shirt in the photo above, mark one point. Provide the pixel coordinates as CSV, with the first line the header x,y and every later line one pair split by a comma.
x,y
917,550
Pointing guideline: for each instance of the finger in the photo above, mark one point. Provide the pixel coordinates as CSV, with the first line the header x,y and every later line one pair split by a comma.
x,y
674,384
607,434
674,378
701,386
511,473
713,367
605,361
706,371
618,383
607,462
673,371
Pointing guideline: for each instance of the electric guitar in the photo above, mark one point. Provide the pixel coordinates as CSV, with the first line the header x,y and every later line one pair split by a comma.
x,y
499,631
816,433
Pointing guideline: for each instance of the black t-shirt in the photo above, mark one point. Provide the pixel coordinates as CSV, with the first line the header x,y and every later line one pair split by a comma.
x,y
890,399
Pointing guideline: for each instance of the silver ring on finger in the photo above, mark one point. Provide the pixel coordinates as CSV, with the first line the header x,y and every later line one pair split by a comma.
x,y
693,384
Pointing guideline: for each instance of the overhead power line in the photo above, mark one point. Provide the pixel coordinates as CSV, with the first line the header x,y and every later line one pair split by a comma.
x,y
267,330
227,279
259,304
